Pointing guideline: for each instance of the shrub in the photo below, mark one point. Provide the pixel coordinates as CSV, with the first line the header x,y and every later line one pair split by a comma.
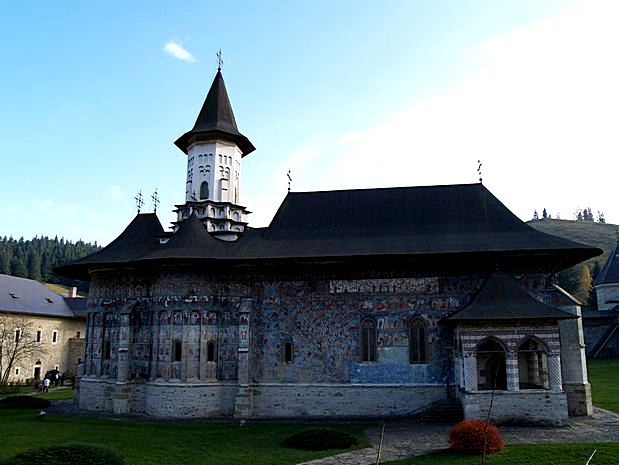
x,y
320,439
468,437
73,453
24,402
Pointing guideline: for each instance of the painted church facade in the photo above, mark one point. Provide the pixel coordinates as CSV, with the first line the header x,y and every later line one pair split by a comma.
x,y
358,303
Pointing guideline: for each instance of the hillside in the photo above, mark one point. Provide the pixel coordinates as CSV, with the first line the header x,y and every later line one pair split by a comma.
x,y
602,235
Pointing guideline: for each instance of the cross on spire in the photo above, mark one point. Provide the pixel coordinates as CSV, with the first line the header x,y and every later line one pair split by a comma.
x,y
220,60
289,179
155,199
479,170
139,201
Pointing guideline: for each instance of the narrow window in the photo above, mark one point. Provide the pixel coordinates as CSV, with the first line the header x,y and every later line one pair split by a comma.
x,y
417,342
54,337
177,351
106,350
17,335
39,335
288,352
368,341
210,352
204,190
78,334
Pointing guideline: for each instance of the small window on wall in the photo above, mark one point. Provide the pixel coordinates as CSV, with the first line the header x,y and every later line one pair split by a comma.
x,y
78,334
54,337
106,350
177,351
211,353
288,352
16,371
17,335
39,334
368,341
417,341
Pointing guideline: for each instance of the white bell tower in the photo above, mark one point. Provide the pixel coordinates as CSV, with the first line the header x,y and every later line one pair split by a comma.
x,y
215,149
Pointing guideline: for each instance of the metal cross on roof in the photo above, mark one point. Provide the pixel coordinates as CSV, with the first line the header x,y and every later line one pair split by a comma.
x,y
155,199
139,201
220,60
479,170
289,180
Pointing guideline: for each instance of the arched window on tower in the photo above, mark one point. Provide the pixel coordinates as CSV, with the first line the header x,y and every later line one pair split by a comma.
x,y
204,190
367,341
417,341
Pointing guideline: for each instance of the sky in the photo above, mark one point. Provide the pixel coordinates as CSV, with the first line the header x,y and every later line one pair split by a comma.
x,y
345,94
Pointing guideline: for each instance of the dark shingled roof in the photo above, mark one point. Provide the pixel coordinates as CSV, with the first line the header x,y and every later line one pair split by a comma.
x,y
503,298
216,120
397,222
21,295
610,271
135,241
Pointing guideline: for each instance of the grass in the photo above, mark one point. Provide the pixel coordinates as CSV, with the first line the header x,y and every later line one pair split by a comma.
x,y
161,442
540,454
604,379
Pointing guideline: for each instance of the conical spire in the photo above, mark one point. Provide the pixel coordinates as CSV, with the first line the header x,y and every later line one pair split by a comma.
x,y
610,270
215,120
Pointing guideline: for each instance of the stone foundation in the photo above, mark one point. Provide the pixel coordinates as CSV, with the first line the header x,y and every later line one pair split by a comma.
x,y
221,400
540,407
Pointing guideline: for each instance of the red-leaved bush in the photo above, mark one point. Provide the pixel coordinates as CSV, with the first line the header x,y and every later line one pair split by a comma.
x,y
468,437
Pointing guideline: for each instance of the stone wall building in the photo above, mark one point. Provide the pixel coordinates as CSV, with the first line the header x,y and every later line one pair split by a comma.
x,y
54,323
357,303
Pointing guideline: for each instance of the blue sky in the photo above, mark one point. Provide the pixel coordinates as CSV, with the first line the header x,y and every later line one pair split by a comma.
x,y
344,93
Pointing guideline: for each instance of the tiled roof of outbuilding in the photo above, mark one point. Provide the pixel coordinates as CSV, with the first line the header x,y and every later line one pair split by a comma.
x,y
21,295
610,270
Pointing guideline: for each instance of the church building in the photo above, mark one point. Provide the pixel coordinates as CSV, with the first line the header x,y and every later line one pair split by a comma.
x,y
352,303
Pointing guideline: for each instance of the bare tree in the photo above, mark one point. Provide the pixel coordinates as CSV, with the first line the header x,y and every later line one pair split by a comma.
x,y
17,344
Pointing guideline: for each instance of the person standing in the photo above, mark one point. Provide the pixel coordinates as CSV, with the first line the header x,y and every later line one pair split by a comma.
x,y
46,385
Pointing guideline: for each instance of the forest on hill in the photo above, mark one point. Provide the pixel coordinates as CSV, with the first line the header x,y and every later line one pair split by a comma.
x,y
578,280
36,258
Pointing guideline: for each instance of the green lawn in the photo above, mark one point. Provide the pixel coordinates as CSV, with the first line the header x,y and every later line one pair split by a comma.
x,y
541,454
604,379
161,442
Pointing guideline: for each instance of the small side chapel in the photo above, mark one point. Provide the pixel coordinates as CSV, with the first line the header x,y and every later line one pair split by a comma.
x,y
351,303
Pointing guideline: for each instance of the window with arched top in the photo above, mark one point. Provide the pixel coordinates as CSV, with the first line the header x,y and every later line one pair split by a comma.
x,y
417,341
491,372
533,365
211,352
177,351
288,355
367,341
204,190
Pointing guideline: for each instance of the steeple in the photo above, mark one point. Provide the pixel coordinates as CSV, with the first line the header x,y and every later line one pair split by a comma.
x,y
214,148
215,121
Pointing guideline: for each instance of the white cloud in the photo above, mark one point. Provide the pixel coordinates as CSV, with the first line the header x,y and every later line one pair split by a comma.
x,y
177,51
114,191
541,114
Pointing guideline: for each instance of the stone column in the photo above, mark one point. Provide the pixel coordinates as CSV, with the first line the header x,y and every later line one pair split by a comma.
x,y
554,372
154,360
470,372
574,364
244,397
511,370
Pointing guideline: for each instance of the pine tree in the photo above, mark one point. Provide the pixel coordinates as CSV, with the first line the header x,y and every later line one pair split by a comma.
x,y
535,215
544,214
601,218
